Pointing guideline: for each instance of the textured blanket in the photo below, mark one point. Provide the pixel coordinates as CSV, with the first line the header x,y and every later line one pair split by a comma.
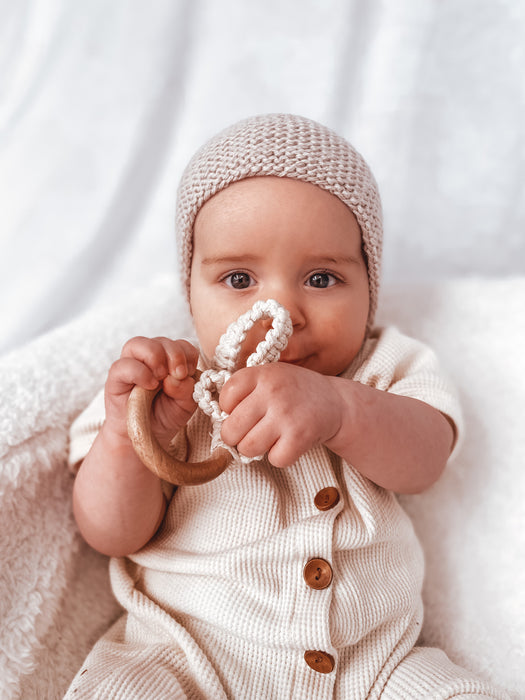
x,y
55,599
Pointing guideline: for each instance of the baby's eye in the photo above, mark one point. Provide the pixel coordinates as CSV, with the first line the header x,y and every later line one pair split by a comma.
x,y
239,280
321,280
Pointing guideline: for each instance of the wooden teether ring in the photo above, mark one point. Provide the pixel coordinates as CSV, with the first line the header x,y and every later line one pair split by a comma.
x,y
155,457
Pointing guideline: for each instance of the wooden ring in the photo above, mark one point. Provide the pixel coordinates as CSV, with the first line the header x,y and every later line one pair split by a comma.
x,y
155,457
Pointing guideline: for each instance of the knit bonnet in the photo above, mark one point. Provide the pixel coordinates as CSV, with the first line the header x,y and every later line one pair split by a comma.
x,y
282,145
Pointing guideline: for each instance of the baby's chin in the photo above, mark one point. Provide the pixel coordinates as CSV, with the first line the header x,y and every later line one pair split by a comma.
x,y
330,367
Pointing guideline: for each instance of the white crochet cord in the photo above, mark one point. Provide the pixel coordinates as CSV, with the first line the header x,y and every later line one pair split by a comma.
x,y
207,389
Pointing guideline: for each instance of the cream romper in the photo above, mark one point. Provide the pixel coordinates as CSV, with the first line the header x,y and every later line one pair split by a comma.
x,y
301,583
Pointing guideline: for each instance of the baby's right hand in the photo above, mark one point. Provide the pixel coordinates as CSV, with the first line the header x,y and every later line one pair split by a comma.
x,y
148,362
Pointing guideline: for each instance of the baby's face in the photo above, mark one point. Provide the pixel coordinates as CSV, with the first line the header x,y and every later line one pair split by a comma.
x,y
278,238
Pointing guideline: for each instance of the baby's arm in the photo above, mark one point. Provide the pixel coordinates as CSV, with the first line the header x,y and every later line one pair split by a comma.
x,y
400,443
118,503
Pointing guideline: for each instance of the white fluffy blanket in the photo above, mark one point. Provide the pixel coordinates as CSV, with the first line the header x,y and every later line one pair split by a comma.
x,y
54,594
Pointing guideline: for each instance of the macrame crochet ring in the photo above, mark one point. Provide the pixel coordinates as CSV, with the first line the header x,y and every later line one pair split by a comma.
x,y
207,388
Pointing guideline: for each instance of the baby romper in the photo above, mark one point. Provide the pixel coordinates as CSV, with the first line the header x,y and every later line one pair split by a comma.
x,y
303,582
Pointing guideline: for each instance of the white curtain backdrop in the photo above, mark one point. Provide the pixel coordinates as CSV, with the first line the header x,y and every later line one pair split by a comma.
x,y
102,103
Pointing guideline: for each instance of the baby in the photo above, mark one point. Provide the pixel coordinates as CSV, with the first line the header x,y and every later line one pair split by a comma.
x,y
298,575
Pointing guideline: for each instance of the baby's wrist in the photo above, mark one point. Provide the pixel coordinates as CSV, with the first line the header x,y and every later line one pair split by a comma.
x,y
115,437
343,421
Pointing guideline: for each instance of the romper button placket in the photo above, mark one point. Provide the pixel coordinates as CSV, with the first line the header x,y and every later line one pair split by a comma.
x,y
318,573
320,661
327,498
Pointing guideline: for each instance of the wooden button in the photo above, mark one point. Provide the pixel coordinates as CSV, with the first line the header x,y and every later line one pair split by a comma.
x,y
320,661
326,498
318,573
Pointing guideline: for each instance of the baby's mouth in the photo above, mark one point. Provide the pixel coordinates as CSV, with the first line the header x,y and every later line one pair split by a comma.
x,y
298,361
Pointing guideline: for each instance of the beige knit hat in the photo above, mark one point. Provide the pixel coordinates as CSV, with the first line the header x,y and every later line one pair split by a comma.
x,y
283,145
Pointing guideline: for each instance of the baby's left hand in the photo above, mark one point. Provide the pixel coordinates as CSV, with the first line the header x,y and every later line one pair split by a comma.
x,y
281,409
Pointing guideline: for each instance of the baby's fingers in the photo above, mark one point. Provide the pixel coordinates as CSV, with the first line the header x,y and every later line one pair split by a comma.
x,y
240,423
163,356
237,388
182,358
123,375
148,351
179,389
127,372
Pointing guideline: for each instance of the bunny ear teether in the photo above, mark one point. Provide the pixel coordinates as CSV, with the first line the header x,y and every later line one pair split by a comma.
x,y
206,392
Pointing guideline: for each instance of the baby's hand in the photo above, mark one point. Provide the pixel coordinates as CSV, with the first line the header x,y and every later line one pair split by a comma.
x,y
148,362
281,409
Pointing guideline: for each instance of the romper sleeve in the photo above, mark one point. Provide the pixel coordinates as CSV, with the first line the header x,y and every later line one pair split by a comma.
x,y
393,362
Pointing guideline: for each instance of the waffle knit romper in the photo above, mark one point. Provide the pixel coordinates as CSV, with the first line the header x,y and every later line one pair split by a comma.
x,y
303,582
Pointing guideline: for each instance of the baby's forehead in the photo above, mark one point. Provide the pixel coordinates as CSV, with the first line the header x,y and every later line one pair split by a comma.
x,y
270,211
271,192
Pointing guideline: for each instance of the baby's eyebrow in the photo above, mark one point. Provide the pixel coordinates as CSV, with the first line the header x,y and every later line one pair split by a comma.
x,y
314,260
336,260
221,259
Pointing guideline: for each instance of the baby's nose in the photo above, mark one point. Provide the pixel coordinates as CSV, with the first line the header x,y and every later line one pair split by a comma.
x,y
294,307
266,323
